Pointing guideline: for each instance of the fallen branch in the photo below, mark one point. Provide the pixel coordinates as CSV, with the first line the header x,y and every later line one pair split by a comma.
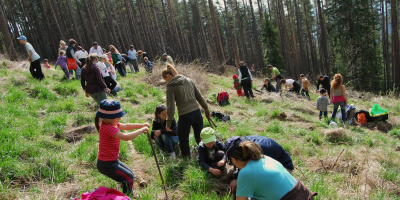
x,y
337,159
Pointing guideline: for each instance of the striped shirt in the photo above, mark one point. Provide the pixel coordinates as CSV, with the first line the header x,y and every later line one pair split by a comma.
x,y
108,144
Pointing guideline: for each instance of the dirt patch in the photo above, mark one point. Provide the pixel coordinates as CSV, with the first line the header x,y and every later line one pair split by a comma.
x,y
77,134
282,116
383,126
333,134
305,110
267,101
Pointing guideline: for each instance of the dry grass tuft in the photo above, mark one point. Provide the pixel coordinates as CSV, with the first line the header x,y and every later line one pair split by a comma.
x,y
195,72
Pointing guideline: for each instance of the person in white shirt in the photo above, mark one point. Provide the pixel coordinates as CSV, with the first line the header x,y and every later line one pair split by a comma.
x,y
133,63
294,86
110,82
81,54
33,58
96,49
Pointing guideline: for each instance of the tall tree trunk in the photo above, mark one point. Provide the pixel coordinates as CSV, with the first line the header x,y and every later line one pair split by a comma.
x,y
232,40
295,50
323,39
313,52
299,31
260,11
55,18
75,25
8,41
94,34
259,53
242,38
203,34
395,44
193,52
249,36
177,39
220,47
158,25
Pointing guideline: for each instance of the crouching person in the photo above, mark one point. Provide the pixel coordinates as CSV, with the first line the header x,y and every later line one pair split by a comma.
x,y
261,177
211,152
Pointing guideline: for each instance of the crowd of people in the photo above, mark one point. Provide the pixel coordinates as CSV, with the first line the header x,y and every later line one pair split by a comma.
x,y
262,167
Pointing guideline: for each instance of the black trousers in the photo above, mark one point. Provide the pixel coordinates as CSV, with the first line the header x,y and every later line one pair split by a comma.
x,y
110,82
305,93
296,88
119,172
193,119
247,87
36,70
83,62
121,69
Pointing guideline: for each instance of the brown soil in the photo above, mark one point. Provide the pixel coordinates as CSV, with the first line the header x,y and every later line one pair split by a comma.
x,y
77,134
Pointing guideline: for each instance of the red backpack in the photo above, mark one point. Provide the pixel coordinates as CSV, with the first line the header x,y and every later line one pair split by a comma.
x,y
223,99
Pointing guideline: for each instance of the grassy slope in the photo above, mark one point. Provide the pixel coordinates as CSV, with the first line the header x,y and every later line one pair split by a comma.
x,y
37,163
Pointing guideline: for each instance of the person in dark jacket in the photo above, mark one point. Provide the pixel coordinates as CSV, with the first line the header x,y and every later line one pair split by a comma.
x,y
268,86
326,84
246,80
269,148
71,55
183,92
92,82
260,176
166,140
211,152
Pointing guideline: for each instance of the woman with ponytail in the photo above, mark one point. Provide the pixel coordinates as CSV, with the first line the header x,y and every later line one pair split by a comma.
x,y
261,177
183,92
338,96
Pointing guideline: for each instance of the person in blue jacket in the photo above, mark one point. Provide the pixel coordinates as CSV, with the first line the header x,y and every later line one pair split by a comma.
x,y
269,148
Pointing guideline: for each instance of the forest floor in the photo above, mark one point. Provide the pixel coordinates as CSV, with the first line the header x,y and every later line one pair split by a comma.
x,y
49,146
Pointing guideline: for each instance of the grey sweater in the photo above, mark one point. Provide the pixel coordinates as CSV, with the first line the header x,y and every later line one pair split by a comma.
x,y
322,103
184,93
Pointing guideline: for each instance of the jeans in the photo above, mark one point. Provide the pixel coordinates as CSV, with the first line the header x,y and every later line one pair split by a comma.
x,y
121,69
342,108
119,172
167,142
133,64
323,112
116,89
247,87
193,119
98,97
36,70
77,72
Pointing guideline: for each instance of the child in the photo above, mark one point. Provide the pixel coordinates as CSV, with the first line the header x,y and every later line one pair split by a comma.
x,y
62,61
166,140
211,152
110,82
109,142
322,103
46,64
294,86
268,86
306,86
147,65
237,85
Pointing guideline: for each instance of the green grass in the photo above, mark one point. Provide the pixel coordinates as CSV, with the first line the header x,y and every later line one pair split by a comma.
x,y
35,155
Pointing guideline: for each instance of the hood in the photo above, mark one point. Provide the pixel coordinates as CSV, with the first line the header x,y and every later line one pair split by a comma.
x,y
90,69
234,76
177,80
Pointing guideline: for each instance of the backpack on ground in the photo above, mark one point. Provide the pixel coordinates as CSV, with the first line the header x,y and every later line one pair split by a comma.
x,y
378,114
223,99
363,116
219,116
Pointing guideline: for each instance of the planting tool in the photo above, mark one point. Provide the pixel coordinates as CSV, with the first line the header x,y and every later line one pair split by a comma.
x,y
158,166
211,123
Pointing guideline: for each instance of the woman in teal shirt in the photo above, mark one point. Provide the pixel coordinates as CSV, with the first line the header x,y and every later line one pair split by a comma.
x,y
262,177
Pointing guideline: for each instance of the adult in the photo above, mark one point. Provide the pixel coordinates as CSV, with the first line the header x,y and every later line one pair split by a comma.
x,y
246,79
72,60
81,54
325,82
277,76
133,63
34,58
183,92
92,82
294,86
168,59
338,96
96,48
269,148
117,61
143,54
262,177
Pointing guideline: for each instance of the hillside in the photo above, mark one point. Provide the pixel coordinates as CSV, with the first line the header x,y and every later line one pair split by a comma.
x,y
48,151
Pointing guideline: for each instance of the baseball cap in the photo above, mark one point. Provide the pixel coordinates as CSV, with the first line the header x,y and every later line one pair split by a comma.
x,y
21,38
